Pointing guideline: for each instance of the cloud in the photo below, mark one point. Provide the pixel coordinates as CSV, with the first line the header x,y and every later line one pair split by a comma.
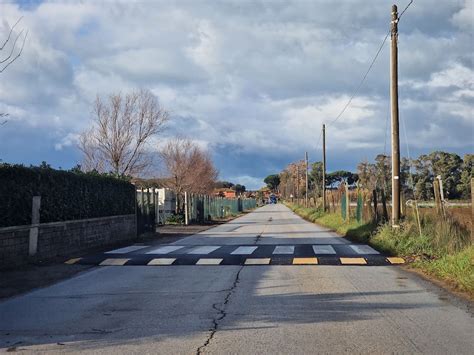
x,y
251,81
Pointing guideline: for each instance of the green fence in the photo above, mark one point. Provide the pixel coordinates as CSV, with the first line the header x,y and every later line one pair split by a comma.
x,y
202,208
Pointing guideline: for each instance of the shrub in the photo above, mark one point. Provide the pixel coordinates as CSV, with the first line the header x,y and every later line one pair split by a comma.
x,y
64,195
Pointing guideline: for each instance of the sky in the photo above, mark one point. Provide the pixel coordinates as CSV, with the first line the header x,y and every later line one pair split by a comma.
x,y
252,81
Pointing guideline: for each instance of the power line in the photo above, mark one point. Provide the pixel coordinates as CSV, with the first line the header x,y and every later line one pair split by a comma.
x,y
362,81
400,16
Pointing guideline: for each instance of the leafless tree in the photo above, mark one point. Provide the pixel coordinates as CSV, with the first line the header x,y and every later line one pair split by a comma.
x,y
13,52
123,127
188,166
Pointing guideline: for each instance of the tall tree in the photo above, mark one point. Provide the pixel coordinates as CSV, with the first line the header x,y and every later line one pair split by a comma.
x,y
464,186
123,126
316,178
272,181
189,168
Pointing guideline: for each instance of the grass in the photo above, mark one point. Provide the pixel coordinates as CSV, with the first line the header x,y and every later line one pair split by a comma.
x,y
443,249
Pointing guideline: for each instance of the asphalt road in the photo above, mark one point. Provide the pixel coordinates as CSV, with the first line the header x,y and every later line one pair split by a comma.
x,y
240,309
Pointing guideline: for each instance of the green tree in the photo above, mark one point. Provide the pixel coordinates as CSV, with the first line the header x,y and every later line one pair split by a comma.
x,y
449,167
223,185
239,189
316,178
272,181
464,186
341,176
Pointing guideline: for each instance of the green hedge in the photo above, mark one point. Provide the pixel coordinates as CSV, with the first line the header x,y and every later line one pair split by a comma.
x,y
64,195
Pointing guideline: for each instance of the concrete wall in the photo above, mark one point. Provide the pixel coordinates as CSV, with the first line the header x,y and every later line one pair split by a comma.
x,y
64,238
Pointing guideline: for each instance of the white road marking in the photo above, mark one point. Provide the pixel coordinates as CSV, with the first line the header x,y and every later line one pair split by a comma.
x,y
284,249
127,249
162,261
323,249
165,249
244,250
114,262
257,261
204,249
209,261
363,249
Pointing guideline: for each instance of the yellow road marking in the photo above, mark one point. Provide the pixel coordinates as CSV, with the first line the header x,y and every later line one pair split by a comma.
x,y
257,261
72,261
162,261
209,261
305,261
113,262
353,261
395,260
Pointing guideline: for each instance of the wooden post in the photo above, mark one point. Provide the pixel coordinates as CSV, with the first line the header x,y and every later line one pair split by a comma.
x,y
394,116
35,220
376,213
437,197
324,168
348,202
384,205
472,209
306,194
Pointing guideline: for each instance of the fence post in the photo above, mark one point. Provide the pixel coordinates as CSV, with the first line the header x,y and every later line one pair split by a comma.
x,y
186,220
437,197
472,209
348,202
376,214
35,219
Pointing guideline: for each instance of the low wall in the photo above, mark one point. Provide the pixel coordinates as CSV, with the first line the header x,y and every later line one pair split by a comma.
x,y
64,238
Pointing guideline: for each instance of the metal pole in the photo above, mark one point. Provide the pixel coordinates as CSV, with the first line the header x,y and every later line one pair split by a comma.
x,y
324,167
186,217
306,194
395,124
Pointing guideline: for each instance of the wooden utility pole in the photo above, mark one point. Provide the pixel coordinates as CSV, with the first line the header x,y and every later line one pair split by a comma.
x,y
324,167
395,125
298,182
306,194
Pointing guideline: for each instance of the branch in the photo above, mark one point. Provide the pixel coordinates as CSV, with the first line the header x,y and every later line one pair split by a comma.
x,y
19,53
10,33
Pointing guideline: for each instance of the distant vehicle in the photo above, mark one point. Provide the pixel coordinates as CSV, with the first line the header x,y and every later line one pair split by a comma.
x,y
272,199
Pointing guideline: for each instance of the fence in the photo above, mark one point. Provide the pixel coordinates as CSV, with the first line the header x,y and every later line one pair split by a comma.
x,y
203,208
157,206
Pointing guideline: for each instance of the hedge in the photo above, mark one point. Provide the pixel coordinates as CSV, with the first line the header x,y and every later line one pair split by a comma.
x,y
64,195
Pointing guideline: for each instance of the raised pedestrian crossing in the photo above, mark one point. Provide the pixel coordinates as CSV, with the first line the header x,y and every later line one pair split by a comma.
x,y
298,254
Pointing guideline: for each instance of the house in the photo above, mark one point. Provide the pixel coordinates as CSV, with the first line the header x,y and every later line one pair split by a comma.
x,y
223,192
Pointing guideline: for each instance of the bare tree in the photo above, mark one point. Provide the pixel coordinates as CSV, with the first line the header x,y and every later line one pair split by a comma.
x,y
12,53
122,129
11,47
189,167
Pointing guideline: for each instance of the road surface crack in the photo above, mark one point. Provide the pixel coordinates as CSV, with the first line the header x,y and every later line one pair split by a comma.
x,y
221,312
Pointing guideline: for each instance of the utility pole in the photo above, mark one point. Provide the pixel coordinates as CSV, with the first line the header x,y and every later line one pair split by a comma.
x,y
324,167
297,182
306,195
394,114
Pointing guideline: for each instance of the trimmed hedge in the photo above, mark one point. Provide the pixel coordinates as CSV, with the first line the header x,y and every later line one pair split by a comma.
x,y
64,195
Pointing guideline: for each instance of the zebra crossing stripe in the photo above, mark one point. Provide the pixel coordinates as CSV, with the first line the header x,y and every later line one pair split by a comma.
x,y
353,261
257,261
244,250
395,260
204,261
203,250
114,262
323,249
72,261
284,249
305,261
363,249
162,261
127,249
165,250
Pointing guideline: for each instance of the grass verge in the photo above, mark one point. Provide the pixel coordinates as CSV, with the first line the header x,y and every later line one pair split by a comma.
x,y
442,250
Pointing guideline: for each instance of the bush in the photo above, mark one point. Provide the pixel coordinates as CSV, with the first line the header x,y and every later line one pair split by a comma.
x,y
64,195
